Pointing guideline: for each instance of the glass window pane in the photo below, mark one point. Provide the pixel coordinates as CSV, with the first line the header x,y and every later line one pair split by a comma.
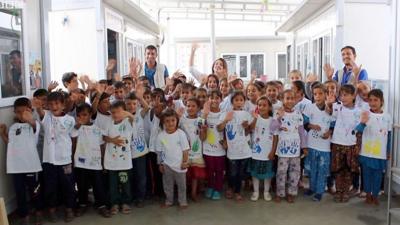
x,y
281,66
257,64
11,66
243,66
231,62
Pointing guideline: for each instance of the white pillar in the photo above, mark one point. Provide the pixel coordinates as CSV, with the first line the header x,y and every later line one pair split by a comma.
x,y
339,4
212,33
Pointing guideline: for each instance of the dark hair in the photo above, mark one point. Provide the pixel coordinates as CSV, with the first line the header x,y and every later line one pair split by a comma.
x,y
147,91
151,47
278,82
103,81
215,92
188,86
300,86
22,102
158,92
67,77
264,98
56,96
237,93
79,91
319,86
83,107
127,77
195,100
224,64
257,85
118,104
377,93
348,88
349,47
200,89
177,81
213,76
131,96
168,113
15,52
142,78
119,85
40,92
272,84
102,97
286,92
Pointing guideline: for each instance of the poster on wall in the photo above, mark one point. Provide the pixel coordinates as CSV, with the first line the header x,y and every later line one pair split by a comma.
x,y
35,71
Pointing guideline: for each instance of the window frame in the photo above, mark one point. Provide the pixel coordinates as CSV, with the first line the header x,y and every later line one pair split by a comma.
x,y
277,54
248,57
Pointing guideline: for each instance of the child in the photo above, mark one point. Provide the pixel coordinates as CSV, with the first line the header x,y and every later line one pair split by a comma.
x,y
186,93
344,162
317,122
173,146
57,155
253,91
195,129
261,166
70,81
213,151
291,136
300,97
362,100
119,92
23,161
273,94
295,75
138,146
212,82
201,95
118,157
376,126
236,125
224,87
88,151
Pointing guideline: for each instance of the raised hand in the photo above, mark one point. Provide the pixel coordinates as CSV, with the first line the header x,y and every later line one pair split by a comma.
x,y
229,116
111,64
364,117
206,107
180,111
134,67
315,127
27,116
280,113
331,98
110,90
328,71
53,85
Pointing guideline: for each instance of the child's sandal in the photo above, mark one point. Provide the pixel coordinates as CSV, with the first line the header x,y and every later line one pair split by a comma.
x,y
229,194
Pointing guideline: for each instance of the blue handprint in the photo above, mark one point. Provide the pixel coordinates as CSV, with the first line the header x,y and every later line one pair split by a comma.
x,y
257,148
229,132
139,143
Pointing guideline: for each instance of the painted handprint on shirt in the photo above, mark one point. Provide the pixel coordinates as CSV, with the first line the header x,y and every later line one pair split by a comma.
x,y
139,143
196,146
229,132
257,148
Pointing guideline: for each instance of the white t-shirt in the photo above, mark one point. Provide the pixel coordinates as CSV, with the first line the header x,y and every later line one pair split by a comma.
x,y
118,157
171,148
102,120
375,136
192,131
238,141
360,103
249,107
322,119
277,105
346,121
88,151
57,149
300,106
138,143
289,139
262,139
212,145
22,154
226,105
155,130
147,124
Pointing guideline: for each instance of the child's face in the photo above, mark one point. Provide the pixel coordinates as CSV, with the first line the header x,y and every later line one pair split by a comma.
x,y
186,94
238,102
298,95
319,96
84,117
117,114
294,77
331,87
170,124
43,101
80,98
215,100
158,106
119,93
104,105
56,107
212,83
375,103
202,97
128,85
346,98
19,111
289,100
224,88
144,83
147,98
363,90
238,85
272,93
131,105
263,107
73,84
192,109
252,93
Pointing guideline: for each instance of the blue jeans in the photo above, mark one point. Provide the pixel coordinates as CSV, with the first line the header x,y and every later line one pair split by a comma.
x,y
238,168
319,169
372,179
138,181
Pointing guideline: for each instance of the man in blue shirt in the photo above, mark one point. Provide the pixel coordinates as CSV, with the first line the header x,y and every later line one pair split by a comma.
x,y
351,72
155,72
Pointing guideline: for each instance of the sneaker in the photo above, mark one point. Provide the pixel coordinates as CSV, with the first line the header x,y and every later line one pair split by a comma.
x,y
267,196
126,209
114,210
69,215
317,197
254,196
308,192
209,192
216,195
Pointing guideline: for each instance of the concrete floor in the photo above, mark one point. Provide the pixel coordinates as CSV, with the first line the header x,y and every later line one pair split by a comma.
x,y
303,212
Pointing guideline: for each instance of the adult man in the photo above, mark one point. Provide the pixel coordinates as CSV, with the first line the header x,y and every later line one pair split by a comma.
x,y
351,72
155,72
13,84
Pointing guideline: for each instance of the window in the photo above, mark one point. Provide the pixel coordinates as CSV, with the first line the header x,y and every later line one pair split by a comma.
x,y
281,66
243,64
288,58
12,74
134,50
305,60
299,60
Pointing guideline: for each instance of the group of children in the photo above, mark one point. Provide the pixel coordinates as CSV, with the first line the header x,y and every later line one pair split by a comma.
x,y
127,141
